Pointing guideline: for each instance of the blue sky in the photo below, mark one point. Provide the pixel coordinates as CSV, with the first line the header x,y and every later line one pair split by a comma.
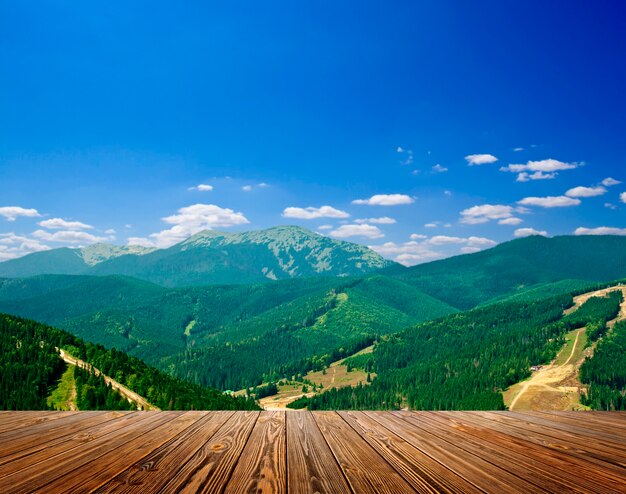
x,y
111,115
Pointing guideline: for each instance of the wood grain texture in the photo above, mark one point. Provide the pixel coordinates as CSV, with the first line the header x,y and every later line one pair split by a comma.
x,y
147,474
474,469
36,471
364,468
311,466
262,467
209,469
312,452
45,437
424,474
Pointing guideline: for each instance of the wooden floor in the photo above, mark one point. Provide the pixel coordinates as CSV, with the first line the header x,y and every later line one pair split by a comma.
x,y
303,452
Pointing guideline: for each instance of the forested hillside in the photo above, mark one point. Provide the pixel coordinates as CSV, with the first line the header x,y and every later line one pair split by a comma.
x,y
30,365
605,372
462,361
224,336
469,280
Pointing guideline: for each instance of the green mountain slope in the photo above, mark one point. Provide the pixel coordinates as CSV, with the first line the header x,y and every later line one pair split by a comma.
x,y
469,280
30,365
288,321
211,257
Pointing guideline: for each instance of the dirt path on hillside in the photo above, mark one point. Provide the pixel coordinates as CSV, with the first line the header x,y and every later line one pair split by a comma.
x,y
123,390
556,387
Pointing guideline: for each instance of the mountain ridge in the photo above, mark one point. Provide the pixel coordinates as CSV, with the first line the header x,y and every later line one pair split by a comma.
x,y
211,257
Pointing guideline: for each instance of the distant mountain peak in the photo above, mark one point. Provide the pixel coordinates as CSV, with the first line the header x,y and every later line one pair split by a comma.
x,y
211,257
100,252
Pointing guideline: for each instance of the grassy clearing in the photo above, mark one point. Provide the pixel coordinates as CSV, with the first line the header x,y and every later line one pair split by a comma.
x,y
63,397
572,351
335,376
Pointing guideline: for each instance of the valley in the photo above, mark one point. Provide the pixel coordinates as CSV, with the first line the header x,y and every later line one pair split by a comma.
x,y
461,333
339,374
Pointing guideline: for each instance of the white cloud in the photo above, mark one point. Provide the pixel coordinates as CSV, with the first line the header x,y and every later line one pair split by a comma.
x,y
409,155
431,225
140,241
486,212
470,250
478,242
202,188
188,221
480,159
69,237
539,170
517,150
549,165
550,201
246,188
601,230
13,246
510,221
325,227
609,205
622,197
385,220
312,213
586,191
61,224
439,169
418,236
262,185
407,253
447,193
128,225
385,200
11,213
609,181
527,232
526,177
414,252
346,231
110,231
445,240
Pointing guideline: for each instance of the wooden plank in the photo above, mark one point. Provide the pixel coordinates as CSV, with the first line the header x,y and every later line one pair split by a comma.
x,y
475,470
262,466
52,446
10,421
614,430
578,428
311,466
151,473
39,439
420,470
96,472
529,433
551,470
210,467
61,423
365,470
560,436
50,468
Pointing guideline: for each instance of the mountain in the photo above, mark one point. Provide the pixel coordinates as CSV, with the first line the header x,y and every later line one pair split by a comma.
x,y
211,257
468,280
66,260
235,335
